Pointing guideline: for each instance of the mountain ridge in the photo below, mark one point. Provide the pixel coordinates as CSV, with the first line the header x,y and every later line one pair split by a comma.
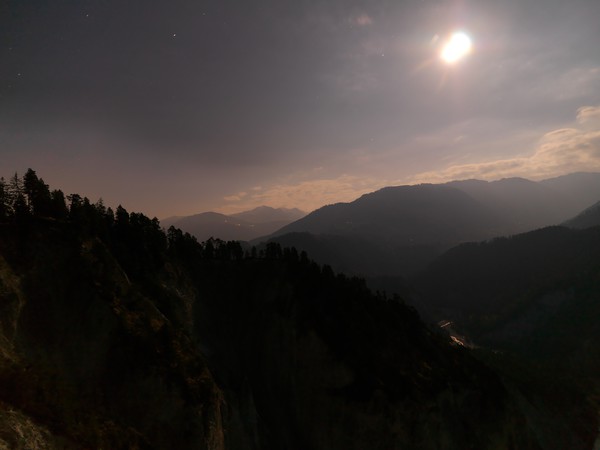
x,y
125,343
589,217
242,226
115,334
439,216
534,294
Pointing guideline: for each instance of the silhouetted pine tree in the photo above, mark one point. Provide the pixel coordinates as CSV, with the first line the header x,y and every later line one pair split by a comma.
x,y
38,194
58,205
15,197
3,200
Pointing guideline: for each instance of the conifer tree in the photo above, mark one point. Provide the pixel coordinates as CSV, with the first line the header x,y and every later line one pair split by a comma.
x,y
15,190
16,197
3,200
37,193
20,207
58,205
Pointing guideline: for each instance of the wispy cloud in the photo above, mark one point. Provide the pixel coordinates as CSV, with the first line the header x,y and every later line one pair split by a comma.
x,y
307,195
558,152
589,115
569,149
236,197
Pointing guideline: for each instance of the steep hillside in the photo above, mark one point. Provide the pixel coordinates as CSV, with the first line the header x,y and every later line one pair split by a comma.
x,y
481,276
407,226
535,294
394,230
525,205
115,335
88,360
404,215
590,217
581,189
528,205
533,298
356,255
227,353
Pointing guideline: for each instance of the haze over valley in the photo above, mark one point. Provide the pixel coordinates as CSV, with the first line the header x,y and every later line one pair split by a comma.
x,y
243,226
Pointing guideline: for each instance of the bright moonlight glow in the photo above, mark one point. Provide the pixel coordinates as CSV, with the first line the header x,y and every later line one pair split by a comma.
x,y
457,47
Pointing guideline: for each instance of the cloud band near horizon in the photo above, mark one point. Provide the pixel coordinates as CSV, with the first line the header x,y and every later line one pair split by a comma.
x,y
558,152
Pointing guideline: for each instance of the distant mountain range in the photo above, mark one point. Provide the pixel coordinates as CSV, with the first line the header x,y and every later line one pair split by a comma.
x,y
242,226
114,334
399,229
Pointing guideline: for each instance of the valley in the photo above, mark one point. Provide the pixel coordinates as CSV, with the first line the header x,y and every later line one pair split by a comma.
x,y
118,333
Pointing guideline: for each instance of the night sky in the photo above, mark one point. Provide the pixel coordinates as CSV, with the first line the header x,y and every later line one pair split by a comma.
x,y
178,107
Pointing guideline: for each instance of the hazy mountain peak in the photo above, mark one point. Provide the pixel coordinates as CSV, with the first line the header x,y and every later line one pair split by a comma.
x,y
514,180
210,214
420,220
573,176
241,226
472,181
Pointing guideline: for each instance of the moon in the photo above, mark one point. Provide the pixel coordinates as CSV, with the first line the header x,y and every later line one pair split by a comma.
x,y
456,48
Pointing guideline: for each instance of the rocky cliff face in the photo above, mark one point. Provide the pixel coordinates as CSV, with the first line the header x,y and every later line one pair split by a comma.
x,y
207,353
88,361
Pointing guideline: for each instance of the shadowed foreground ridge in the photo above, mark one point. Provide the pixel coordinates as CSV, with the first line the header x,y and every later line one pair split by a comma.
x,y
114,334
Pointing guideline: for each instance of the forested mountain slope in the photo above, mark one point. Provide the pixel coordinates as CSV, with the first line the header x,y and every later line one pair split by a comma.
x,y
535,294
114,334
398,230
395,230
